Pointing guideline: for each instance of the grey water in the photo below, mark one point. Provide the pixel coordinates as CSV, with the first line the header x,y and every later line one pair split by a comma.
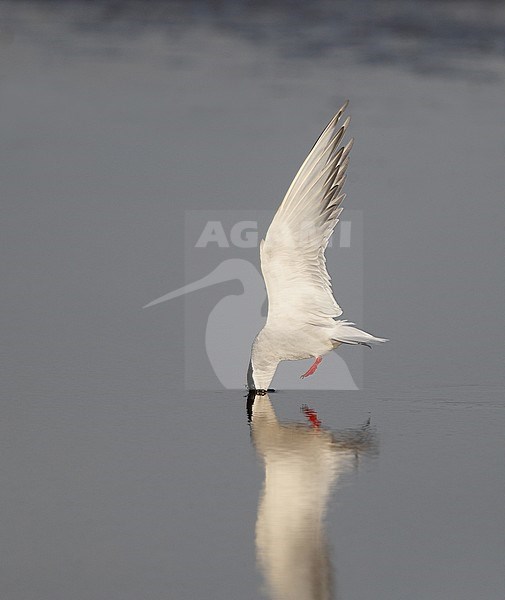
x,y
120,482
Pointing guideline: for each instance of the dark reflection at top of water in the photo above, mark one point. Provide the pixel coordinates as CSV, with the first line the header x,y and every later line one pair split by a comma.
x,y
429,36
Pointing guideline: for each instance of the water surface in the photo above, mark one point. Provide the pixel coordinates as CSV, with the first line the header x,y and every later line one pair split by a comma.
x,y
117,482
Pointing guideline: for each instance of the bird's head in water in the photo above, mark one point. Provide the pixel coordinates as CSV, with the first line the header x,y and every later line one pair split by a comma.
x,y
258,379
263,363
253,381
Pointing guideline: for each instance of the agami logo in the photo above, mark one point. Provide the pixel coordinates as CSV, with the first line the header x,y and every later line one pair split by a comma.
x,y
226,303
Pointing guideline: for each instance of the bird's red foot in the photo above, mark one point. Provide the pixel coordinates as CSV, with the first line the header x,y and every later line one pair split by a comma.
x,y
311,415
313,368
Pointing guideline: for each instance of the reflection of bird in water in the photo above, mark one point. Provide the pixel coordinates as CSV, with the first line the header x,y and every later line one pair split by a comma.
x,y
302,312
303,462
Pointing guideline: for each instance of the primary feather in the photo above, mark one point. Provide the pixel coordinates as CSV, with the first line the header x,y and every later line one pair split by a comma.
x,y
292,254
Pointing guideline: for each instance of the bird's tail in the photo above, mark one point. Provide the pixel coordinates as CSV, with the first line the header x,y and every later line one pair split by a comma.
x,y
345,333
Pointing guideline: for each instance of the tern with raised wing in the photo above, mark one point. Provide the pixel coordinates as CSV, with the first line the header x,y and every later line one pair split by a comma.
x,y
302,312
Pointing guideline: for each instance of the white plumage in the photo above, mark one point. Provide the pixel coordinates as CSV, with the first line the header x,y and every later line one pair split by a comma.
x,y
302,311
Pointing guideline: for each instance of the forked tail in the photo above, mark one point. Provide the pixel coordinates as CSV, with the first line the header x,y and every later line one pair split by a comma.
x,y
346,333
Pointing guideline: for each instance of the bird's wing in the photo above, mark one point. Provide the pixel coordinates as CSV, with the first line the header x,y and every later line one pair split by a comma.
x,y
292,253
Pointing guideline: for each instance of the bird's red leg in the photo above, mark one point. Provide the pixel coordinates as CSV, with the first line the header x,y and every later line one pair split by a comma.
x,y
311,415
313,368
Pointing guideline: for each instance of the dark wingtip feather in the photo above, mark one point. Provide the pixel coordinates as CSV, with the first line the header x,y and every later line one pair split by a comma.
x,y
343,107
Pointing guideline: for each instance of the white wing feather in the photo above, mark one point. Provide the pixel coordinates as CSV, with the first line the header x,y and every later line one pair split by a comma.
x,y
292,253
